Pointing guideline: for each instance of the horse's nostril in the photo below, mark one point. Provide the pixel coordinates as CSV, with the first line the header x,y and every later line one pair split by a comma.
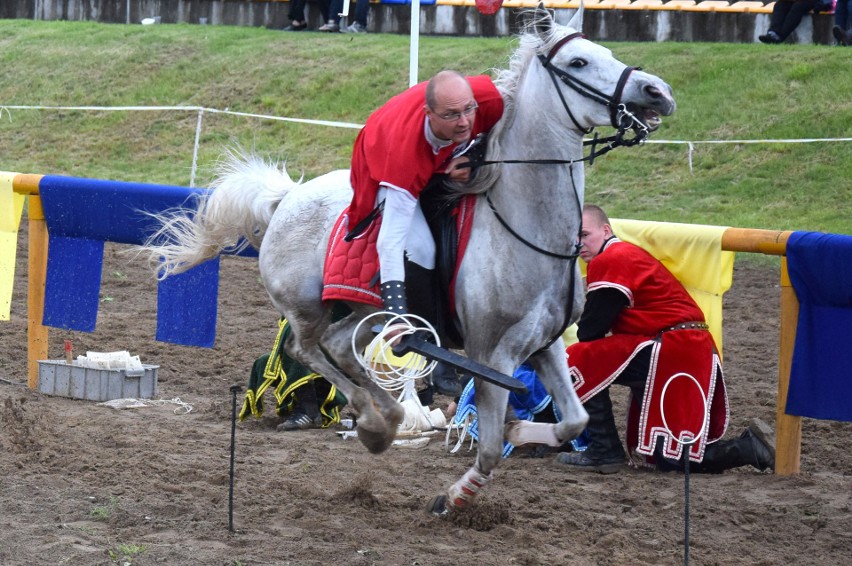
x,y
653,91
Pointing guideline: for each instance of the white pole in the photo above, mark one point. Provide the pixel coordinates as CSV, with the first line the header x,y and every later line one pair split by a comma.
x,y
415,42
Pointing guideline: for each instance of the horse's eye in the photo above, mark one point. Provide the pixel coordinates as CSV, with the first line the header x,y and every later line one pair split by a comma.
x,y
578,63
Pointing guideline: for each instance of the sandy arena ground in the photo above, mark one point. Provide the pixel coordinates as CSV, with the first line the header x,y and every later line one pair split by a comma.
x,y
86,484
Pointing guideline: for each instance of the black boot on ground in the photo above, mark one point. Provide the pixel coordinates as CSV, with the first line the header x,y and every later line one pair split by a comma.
x,y
770,37
840,35
306,414
755,447
604,455
445,380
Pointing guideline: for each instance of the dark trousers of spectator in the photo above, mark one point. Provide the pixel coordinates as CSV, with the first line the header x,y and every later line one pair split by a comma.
x,y
841,14
362,7
786,16
297,10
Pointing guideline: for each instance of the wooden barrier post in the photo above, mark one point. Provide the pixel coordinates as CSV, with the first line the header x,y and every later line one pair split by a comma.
x,y
36,275
788,428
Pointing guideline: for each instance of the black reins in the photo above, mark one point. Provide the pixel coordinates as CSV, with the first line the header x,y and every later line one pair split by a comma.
x,y
527,242
617,110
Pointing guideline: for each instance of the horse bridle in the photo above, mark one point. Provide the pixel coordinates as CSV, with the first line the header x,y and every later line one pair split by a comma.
x,y
620,118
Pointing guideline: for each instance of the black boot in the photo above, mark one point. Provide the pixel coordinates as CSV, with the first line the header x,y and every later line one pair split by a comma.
x,y
769,37
445,380
604,454
754,447
420,286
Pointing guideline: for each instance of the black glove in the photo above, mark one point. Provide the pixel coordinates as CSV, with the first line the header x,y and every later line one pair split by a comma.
x,y
393,297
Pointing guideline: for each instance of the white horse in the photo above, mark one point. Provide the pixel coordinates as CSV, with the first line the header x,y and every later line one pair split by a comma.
x,y
518,285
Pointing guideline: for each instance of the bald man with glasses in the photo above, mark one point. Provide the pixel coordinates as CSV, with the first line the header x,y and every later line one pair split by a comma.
x,y
414,136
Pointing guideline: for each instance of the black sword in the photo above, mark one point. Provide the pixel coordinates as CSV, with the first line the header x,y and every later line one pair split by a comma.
x,y
416,344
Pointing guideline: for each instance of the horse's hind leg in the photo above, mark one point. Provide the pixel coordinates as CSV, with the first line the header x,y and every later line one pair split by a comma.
x,y
552,368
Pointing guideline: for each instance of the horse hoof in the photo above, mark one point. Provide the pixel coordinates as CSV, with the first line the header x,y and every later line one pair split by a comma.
x,y
438,506
375,441
394,415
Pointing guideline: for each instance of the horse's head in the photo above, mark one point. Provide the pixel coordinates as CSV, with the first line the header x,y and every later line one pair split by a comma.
x,y
594,88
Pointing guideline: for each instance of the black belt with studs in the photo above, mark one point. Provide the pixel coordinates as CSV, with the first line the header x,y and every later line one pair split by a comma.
x,y
687,326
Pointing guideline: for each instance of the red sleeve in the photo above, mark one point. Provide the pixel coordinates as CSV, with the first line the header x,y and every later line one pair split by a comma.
x,y
615,268
490,103
392,149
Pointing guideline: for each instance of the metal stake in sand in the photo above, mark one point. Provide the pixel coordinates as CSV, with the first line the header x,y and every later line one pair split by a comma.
x,y
234,390
686,440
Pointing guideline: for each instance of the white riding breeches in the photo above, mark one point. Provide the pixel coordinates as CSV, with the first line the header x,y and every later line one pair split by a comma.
x,y
404,231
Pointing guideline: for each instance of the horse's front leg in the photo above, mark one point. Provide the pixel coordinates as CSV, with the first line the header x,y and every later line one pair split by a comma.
x,y
552,369
491,403
338,343
310,327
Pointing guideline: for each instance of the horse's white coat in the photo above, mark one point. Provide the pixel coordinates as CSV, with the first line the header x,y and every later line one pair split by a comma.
x,y
511,300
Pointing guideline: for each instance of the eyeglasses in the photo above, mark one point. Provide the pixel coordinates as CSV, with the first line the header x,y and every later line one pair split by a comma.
x,y
456,116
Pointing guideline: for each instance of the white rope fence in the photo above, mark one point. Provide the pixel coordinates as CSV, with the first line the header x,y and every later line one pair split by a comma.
x,y
333,124
200,109
692,144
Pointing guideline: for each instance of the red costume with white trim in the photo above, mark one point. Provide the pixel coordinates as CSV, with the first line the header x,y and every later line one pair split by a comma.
x,y
392,150
660,315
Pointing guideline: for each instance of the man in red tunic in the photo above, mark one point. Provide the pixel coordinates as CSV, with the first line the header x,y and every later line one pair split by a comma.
x,y
415,135
640,328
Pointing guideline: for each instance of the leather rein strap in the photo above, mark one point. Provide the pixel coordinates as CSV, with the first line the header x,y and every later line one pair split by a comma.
x,y
618,114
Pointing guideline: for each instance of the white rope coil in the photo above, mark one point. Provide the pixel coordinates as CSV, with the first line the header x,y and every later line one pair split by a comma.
x,y
378,358
182,408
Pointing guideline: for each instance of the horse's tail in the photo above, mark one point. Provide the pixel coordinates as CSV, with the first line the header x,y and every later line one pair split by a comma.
x,y
232,216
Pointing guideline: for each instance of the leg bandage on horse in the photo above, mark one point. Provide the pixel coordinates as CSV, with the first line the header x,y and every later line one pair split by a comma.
x,y
463,492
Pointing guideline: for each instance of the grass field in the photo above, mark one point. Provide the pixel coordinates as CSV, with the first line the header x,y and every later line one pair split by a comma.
x,y
725,93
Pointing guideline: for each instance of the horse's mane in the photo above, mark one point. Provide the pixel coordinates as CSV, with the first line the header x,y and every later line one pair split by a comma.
x,y
538,35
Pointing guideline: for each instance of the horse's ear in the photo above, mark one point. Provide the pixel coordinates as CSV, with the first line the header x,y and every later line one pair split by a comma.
x,y
576,21
543,20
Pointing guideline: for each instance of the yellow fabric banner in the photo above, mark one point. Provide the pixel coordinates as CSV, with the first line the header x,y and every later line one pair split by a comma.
x,y
693,253
11,207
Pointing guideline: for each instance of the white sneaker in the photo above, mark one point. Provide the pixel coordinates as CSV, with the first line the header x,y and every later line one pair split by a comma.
x,y
330,26
354,27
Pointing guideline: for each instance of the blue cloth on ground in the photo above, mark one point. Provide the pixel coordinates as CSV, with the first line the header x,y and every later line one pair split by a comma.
x,y
526,405
82,214
820,268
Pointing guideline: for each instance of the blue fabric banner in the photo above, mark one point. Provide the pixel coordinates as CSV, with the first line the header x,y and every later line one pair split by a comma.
x,y
73,282
820,268
525,405
186,306
82,214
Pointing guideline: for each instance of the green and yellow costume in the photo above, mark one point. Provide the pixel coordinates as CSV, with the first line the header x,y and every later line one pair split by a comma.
x,y
285,375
